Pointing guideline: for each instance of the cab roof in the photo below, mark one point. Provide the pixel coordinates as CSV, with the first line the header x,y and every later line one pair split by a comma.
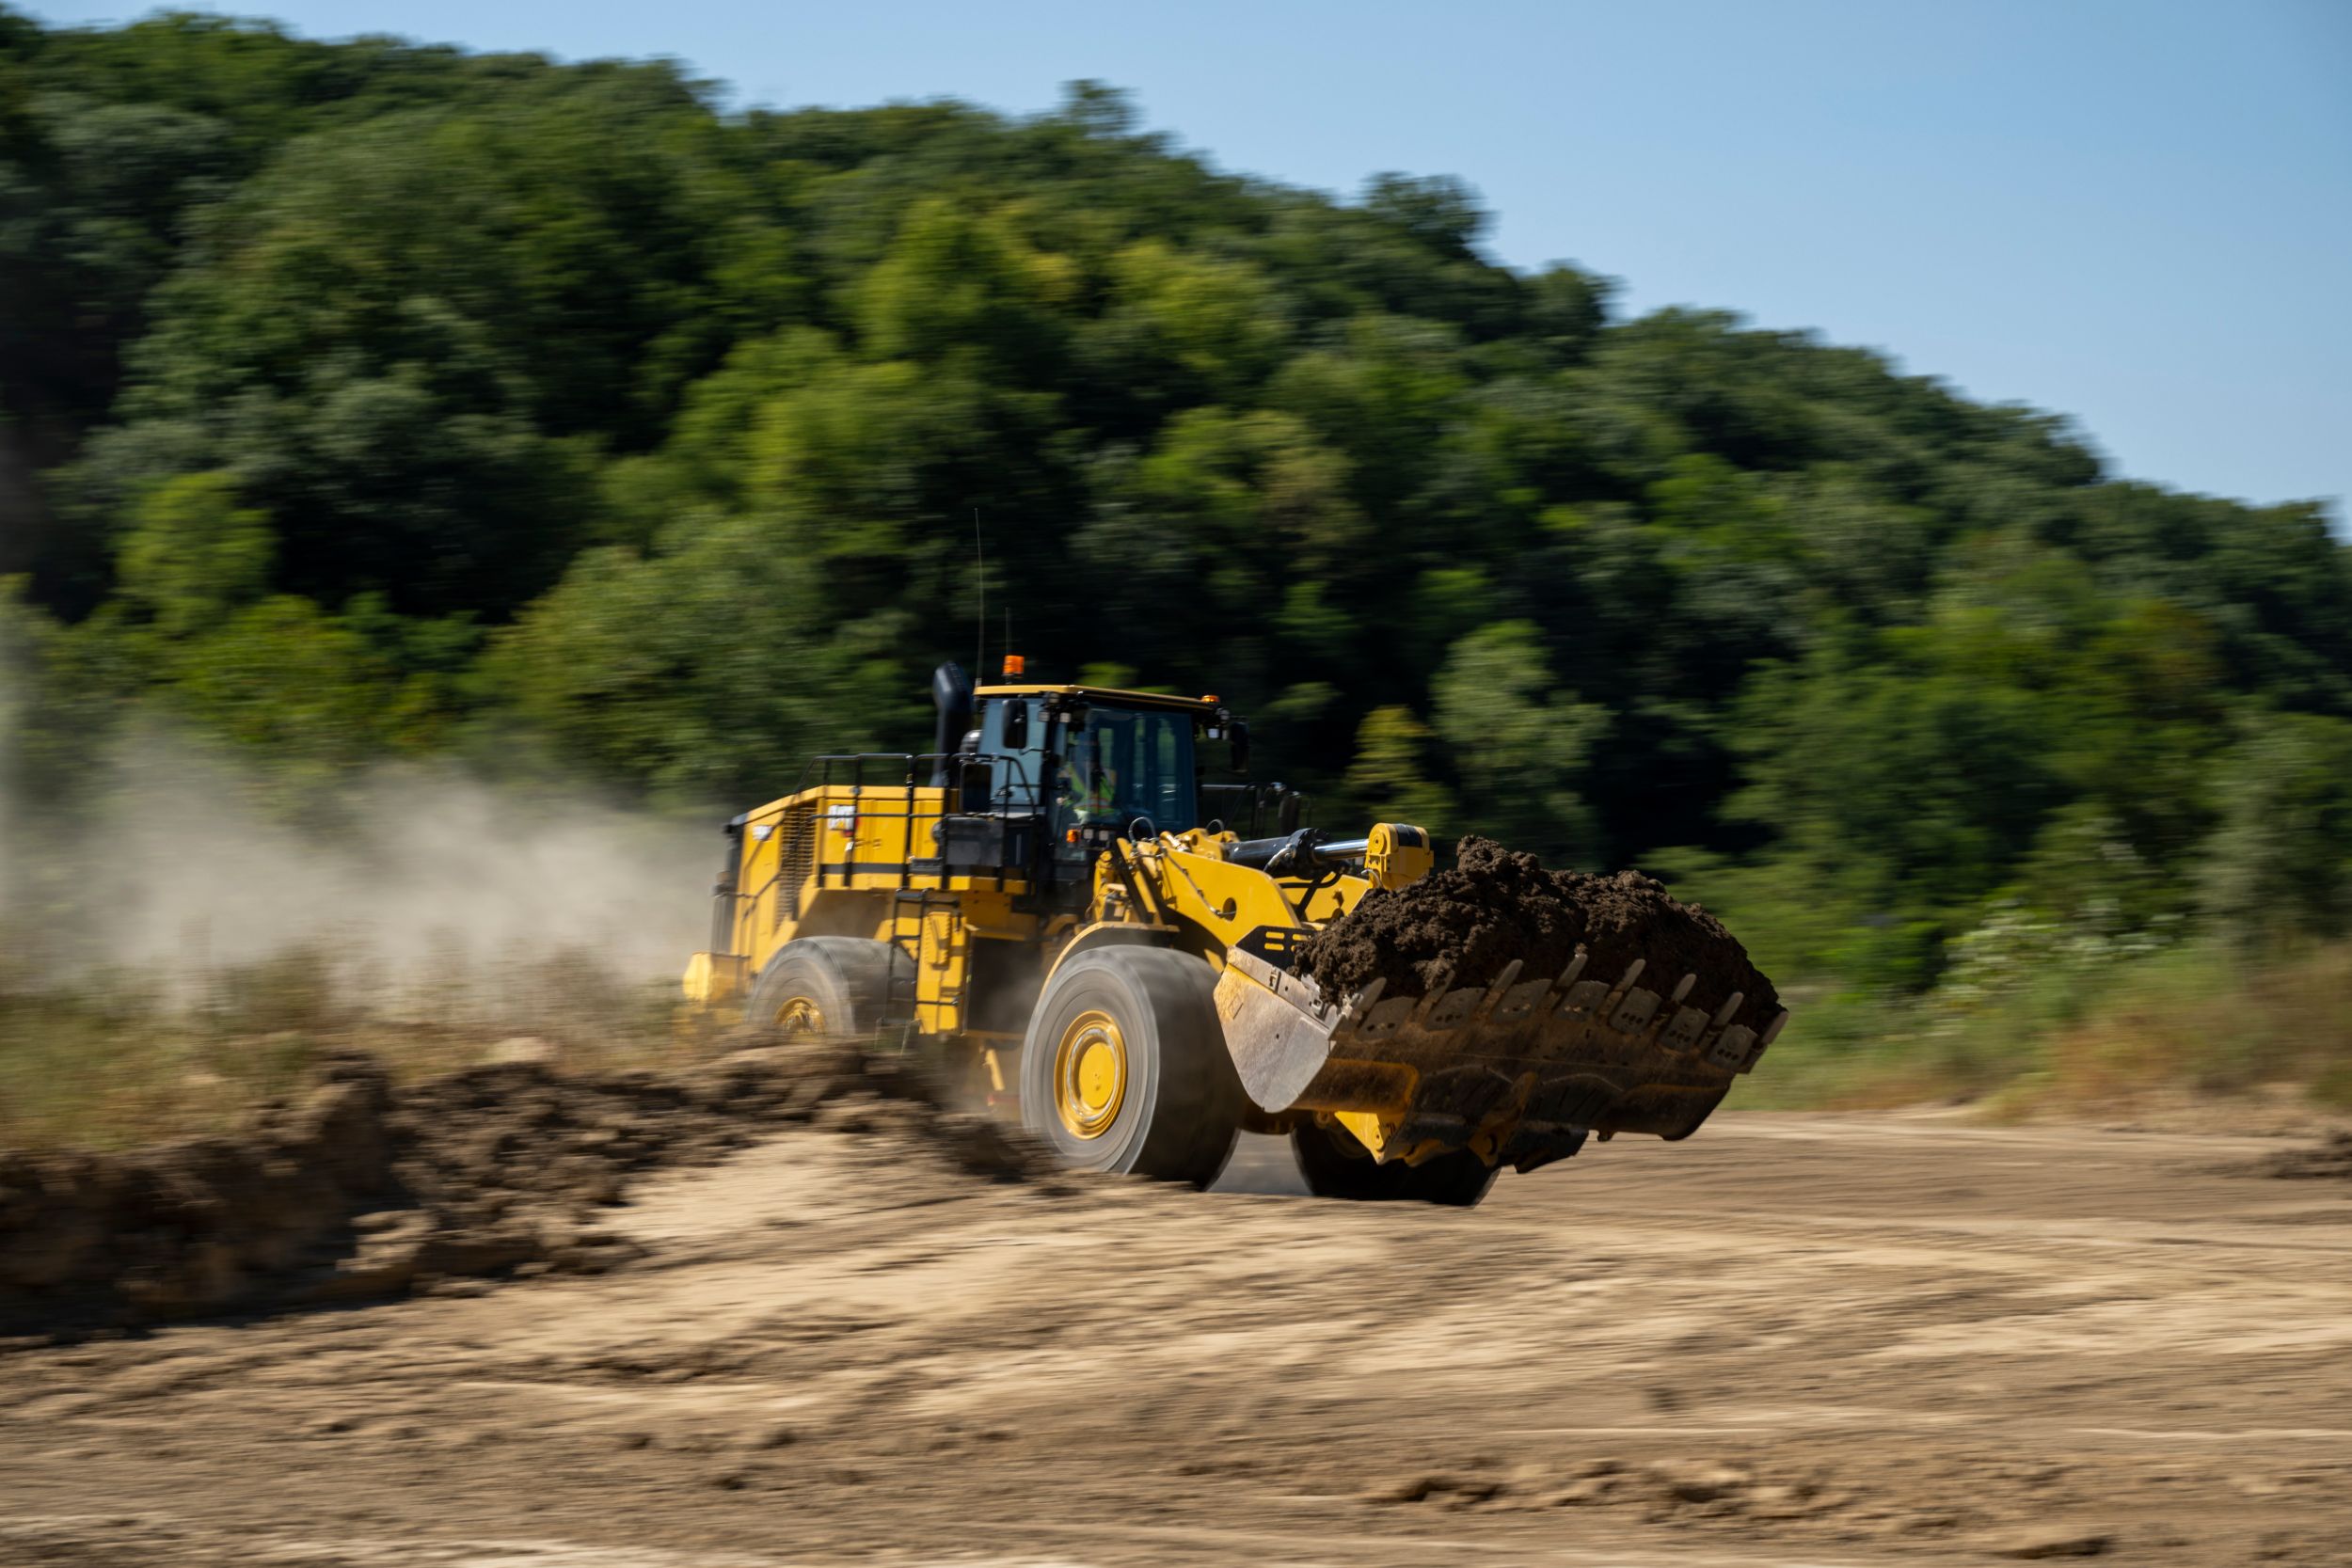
x,y
1105,694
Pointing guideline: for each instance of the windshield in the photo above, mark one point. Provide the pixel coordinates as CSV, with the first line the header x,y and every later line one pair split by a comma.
x,y
1123,765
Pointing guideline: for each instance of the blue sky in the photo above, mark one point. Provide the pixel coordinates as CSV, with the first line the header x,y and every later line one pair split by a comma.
x,y
2137,214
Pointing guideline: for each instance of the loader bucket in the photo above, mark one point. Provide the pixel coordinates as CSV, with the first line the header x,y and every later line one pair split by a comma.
x,y
1517,1071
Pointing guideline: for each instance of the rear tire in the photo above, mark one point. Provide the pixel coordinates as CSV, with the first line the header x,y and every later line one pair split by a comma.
x,y
826,986
1336,1166
1124,1066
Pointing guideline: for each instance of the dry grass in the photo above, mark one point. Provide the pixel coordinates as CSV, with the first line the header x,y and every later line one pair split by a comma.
x,y
2194,1020
111,1059
2214,1027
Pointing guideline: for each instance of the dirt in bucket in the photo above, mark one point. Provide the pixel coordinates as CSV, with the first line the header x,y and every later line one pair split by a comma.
x,y
1460,927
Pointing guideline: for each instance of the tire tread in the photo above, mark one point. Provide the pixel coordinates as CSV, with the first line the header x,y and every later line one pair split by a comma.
x,y
1196,1111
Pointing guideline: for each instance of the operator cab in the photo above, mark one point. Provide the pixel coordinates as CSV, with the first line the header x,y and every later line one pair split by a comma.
x,y
1095,763
1047,776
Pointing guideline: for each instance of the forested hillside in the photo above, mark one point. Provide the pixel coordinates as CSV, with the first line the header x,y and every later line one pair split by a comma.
x,y
367,399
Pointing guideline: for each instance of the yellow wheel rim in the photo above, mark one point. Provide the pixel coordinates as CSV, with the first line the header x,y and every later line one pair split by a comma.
x,y
1090,1074
801,1016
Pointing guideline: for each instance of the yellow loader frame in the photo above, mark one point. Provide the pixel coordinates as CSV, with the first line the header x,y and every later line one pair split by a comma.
x,y
857,855
1133,991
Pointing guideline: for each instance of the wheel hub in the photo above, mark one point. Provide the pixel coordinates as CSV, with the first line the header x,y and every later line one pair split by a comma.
x,y
801,1016
1089,1074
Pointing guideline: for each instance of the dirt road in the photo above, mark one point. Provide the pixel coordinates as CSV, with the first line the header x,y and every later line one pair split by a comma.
x,y
1793,1339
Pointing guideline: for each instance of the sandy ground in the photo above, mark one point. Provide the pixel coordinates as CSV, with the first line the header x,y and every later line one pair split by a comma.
x,y
1793,1339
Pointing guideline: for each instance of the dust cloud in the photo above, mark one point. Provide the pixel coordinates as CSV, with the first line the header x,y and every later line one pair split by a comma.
x,y
175,862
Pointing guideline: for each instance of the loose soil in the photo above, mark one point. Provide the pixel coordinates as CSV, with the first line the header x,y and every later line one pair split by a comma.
x,y
2328,1159
1818,1340
359,1190
1460,927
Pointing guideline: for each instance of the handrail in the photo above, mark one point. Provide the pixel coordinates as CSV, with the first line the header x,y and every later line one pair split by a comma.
x,y
910,771
914,770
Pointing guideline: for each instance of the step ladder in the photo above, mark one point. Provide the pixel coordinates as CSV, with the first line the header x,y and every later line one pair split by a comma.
x,y
910,909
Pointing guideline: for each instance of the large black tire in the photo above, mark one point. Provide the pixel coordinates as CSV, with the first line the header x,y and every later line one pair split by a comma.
x,y
1336,1166
1124,1066
834,986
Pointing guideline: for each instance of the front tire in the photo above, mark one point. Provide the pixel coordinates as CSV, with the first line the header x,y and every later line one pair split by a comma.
x,y
826,986
1336,1166
1124,1068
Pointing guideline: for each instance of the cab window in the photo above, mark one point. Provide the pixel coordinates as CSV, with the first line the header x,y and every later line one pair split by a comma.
x,y
1016,773
1124,763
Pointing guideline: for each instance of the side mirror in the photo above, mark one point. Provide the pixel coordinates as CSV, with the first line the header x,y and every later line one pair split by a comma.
x,y
1237,730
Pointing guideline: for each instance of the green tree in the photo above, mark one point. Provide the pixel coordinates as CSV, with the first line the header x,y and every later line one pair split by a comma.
x,y
1520,746
193,555
710,674
1388,777
2281,859
957,281
297,688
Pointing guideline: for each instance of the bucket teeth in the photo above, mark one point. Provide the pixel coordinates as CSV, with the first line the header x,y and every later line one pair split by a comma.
x,y
1685,1030
1523,1001
1455,1007
1633,1014
1622,1005
1495,993
1585,996
1730,1051
1583,1053
1381,1021
1361,1004
1434,995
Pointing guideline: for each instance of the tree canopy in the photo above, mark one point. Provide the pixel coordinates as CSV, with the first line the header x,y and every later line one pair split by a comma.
x,y
363,398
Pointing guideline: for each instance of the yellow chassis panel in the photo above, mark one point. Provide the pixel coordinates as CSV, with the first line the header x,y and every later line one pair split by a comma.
x,y
859,861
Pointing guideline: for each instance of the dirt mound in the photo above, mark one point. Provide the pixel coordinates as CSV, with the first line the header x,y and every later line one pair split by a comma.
x,y
2330,1158
361,1189
1461,927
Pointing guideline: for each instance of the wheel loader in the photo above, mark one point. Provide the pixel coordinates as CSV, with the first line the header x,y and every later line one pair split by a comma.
x,y
1056,903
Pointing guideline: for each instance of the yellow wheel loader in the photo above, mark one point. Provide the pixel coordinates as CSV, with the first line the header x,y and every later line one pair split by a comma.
x,y
1055,904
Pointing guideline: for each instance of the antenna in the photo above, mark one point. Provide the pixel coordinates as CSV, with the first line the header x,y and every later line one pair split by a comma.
x,y
980,639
